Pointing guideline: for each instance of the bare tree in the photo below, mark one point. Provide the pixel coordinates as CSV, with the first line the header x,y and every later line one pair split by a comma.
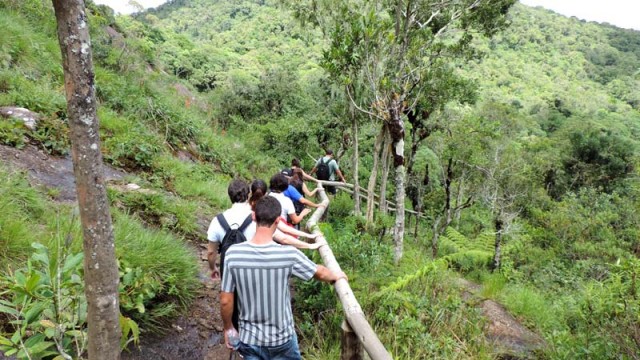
x,y
100,266
501,192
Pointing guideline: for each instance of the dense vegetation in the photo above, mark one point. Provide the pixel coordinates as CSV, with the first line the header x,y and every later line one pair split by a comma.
x,y
542,152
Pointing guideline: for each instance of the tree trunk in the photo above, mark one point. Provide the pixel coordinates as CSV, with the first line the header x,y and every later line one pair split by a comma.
x,y
356,182
446,211
386,157
459,197
100,266
435,237
371,187
496,256
447,190
396,130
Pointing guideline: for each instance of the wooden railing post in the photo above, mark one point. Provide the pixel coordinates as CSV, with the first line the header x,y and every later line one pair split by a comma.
x,y
351,346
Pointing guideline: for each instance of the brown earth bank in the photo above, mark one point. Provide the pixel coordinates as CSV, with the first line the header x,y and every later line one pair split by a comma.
x,y
53,173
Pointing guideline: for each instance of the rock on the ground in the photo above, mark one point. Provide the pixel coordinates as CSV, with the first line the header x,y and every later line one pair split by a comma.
x,y
28,117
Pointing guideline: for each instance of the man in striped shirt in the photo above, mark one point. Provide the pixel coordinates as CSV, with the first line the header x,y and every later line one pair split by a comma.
x,y
259,270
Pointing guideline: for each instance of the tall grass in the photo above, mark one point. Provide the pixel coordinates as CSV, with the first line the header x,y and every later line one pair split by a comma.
x,y
161,258
22,210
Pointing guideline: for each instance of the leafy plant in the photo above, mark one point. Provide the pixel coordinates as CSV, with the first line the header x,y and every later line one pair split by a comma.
x,y
46,306
12,133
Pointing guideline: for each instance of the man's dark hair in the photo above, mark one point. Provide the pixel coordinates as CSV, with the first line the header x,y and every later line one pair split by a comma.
x,y
329,152
278,183
238,191
268,209
295,162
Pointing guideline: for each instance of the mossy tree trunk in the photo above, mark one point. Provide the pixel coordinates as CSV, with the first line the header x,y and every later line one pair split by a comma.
x,y
100,266
396,131
386,156
356,161
371,187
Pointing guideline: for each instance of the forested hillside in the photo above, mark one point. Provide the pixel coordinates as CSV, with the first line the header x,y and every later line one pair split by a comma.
x,y
527,181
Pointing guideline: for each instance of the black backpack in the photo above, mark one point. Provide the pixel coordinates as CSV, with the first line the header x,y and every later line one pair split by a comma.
x,y
323,170
231,236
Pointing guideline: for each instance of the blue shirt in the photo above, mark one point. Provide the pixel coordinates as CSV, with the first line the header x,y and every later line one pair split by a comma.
x,y
292,193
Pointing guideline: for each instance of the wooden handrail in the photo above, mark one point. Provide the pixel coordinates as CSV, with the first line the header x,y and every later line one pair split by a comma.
x,y
352,310
347,187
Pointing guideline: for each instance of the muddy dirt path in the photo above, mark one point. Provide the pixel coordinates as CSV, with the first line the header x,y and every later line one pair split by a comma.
x,y
195,335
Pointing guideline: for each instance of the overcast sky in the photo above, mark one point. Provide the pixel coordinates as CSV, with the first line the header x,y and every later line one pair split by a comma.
x,y
123,7
622,13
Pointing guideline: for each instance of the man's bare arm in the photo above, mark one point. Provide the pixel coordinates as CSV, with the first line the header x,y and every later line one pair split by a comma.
x,y
212,258
285,239
226,311
310,203
293,231
325,275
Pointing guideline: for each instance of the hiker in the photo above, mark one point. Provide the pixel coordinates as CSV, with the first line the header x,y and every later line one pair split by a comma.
x,y
326,168
259,271
296,181
285,235
278,185
295,164
239,216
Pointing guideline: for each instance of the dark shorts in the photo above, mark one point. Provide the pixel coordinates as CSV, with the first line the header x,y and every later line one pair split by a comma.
x,y
286,351
331,189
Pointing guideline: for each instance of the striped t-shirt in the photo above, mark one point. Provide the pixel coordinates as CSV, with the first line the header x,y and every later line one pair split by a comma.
x,y
260,274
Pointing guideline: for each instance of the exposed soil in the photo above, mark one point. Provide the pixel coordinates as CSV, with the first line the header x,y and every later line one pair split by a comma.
x,y
54,173
510,338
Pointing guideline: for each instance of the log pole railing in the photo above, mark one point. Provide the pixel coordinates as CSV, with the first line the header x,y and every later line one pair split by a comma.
x,y
356,329
349,188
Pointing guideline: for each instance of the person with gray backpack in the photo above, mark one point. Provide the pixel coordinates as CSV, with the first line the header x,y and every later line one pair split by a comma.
x,y
327,168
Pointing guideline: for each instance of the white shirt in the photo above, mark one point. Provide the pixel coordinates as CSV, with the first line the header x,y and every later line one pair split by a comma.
x,y
285,203
235,216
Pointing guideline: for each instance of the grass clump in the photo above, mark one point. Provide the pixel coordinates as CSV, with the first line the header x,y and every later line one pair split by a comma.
x,y
22,209
158,273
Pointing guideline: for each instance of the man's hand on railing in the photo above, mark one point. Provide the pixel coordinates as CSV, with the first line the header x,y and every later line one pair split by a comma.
x,y
340,275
